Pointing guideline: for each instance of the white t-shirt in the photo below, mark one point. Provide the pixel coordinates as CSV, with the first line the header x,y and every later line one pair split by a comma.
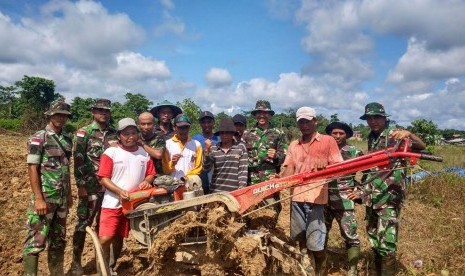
x,y
126,169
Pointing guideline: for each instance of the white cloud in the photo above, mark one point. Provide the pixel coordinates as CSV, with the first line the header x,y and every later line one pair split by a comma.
x,y
138,67
218,77
170,25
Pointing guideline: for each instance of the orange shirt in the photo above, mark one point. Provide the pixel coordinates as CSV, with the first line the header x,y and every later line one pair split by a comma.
x,y
302,157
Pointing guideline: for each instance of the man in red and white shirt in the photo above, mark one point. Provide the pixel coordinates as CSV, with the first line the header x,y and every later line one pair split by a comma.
x,y
123,169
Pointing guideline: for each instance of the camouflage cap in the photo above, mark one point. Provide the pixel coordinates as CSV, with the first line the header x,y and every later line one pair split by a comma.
x,y
176,110
182,120
374,109
58,107
102,104
262,105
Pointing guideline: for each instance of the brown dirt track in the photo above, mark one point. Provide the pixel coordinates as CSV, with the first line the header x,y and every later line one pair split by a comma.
x,y
421,235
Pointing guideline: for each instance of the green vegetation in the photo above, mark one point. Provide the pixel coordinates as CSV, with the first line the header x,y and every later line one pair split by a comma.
x,y
30,97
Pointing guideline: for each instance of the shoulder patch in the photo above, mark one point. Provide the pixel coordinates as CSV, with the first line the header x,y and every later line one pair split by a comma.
x,y
35,141
80,133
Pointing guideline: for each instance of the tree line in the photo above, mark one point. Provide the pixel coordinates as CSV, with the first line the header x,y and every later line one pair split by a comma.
x,y
22,106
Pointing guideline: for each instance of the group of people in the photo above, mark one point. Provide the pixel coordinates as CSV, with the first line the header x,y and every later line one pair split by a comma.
x,y
111,162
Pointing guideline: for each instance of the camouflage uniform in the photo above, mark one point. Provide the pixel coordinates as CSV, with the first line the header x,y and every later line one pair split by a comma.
x,y
157,141
43,149
384,197
51,151
341,208
89,144
257,142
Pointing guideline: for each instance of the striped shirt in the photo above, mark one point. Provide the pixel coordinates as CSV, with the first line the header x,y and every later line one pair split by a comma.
x,y
302,157
229,167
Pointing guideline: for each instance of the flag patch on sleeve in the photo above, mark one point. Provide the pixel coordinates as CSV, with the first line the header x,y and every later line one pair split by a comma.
x,y
81,133
35,141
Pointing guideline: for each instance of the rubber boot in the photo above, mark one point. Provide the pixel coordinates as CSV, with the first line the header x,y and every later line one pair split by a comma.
x,y
377,264
30,263
79,238
388,265
55,262
353,254
320,262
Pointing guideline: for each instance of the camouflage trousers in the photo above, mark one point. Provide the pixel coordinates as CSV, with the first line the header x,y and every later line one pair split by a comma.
x,y
347,224
50,228
88,208
382,229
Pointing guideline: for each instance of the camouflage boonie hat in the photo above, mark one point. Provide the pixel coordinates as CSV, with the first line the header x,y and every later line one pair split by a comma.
x,y
176,110
58,107
374,109
102,104
262,105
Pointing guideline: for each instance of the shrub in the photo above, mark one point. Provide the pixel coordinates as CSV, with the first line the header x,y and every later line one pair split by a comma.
x,y
10,124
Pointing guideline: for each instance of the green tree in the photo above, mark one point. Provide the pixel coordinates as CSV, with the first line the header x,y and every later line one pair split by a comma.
x,y
427,130
7,98
136,104
36,94
334,118
80,108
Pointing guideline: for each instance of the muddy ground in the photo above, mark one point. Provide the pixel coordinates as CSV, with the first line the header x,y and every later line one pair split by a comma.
x,y
415,243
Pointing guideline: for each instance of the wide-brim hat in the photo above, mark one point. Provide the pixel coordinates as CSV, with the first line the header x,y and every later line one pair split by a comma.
x,y
176,110
59,107
226,125
102,104
262,105
374,109
340,125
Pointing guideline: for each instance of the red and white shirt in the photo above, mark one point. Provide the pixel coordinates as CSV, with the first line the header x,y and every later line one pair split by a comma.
x,y
126,169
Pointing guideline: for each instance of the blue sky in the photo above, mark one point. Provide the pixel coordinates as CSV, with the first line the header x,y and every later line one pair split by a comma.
x,y
335,56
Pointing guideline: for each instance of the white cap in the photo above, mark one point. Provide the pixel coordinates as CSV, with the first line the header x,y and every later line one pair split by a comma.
x,y
126,122
305,113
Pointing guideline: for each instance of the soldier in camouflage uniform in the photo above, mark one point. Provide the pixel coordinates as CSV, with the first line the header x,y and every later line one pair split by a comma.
x,y
89,144
339,206
48,159
165,112
385,195
266,147
153,143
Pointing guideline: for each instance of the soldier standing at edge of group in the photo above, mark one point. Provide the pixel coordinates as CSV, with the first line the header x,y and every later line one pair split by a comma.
x,y
89,144
48,159
384,195
339,206
266,147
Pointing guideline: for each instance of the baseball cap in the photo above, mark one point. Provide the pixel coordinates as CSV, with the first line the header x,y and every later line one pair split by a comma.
x,y
182,120
126,122
305,113
206,114
239,118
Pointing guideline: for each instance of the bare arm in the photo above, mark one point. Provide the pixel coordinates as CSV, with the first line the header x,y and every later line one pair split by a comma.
x,y
40,205
417,142
105,181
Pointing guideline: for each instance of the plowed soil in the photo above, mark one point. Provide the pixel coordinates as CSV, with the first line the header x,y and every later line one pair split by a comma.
x,y
242,252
